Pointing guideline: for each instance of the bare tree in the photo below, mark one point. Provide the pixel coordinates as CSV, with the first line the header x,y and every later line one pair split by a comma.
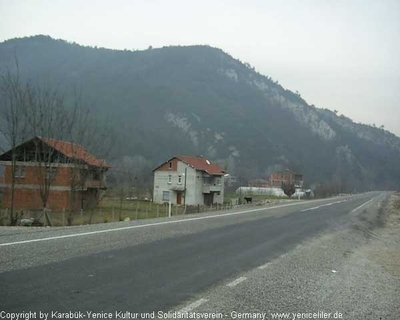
x,y
85,129
14,97
46,121
27,111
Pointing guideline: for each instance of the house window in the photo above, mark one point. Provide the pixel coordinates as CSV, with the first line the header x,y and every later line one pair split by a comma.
x,y
169,179
165,196
51,173
96,175
179,179
20,172
170,164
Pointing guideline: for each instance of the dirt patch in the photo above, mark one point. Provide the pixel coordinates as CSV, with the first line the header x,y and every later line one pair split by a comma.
x,y
384,251
393,213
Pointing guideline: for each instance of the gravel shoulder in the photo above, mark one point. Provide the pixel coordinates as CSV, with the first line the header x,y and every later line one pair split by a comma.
x,y
353,271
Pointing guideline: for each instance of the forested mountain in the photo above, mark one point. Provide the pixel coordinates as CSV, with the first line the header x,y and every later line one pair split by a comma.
x,y
199,100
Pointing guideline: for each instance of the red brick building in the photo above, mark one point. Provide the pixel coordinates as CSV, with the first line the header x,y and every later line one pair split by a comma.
x,y
276,179
259,183
68,173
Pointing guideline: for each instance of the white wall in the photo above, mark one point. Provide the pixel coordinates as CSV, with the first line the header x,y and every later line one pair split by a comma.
x,y
194,185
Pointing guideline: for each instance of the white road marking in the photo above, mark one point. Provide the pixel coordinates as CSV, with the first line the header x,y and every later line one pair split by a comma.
x,y
236,282
324,205
154,224
193,305
364,204
264,266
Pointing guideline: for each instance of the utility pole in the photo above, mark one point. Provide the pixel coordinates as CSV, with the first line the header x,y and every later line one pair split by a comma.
x,y
169,204
184,188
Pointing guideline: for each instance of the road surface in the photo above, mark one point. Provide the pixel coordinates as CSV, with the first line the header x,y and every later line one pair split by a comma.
x,y
156,265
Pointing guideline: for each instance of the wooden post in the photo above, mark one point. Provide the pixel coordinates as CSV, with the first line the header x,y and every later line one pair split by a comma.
x,y
63,217
137,208
113,213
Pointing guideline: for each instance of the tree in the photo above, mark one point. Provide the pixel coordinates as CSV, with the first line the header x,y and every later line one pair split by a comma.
x,y
289,189
14,97
46,117
28,111
84,129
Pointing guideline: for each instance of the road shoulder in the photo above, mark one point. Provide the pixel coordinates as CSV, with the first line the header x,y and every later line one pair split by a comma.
x,y
353,271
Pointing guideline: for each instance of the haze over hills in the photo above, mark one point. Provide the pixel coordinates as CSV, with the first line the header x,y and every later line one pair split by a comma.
x,y
199,100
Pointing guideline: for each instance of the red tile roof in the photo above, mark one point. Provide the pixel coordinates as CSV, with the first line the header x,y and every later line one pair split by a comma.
x,y
75,151
200,163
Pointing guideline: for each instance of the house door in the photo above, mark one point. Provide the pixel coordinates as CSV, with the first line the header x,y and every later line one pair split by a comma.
x,y
179,198
208,199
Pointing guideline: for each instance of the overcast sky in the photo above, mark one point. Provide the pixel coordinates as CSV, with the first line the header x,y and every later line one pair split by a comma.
x,y
339,54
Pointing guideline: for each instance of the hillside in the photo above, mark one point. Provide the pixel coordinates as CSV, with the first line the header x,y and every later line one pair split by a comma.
x,y
199,100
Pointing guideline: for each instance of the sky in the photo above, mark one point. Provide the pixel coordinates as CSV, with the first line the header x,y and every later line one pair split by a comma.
x,y
338,54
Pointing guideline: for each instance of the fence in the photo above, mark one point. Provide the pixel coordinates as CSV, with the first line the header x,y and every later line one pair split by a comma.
x,y
133,210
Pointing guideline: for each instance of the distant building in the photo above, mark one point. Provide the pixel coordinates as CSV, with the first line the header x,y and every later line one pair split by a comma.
x,y
188,180
231,181
67,159
259,183
285,177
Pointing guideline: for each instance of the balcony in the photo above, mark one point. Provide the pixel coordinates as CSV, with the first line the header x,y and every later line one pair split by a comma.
x,y
208,188
93,184
176,186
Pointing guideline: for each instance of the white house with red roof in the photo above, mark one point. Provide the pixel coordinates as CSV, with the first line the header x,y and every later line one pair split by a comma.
x,y
186,180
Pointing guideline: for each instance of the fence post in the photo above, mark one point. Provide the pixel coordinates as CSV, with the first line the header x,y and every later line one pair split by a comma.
x,y
81,216
137,208
113,214
63,217
158,210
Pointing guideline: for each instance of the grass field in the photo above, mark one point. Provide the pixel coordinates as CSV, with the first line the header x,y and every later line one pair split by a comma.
x,y
112,209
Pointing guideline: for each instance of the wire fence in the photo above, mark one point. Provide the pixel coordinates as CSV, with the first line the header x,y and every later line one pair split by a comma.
x,y
114,212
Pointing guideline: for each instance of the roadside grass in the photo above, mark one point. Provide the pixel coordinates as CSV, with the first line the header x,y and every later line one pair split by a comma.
x,y
113,209
396,205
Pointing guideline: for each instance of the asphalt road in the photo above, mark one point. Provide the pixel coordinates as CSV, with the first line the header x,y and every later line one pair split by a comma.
x,y
154,265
